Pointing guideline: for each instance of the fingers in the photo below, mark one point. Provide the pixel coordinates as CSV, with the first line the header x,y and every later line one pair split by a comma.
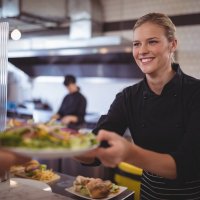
x,y
109,156
107,135
116,152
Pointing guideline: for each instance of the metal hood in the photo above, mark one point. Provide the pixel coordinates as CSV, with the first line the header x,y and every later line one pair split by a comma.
x,y
61,46
82,50
85,36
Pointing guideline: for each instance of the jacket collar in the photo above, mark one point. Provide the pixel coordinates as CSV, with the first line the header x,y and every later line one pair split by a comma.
x,y
173,86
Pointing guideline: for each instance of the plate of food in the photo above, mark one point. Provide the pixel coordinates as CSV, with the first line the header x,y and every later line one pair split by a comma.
x,y
35,171
46,142
95,188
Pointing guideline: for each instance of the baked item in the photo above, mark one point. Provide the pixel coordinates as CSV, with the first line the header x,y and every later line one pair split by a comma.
x,y
94,187
32,166
97,188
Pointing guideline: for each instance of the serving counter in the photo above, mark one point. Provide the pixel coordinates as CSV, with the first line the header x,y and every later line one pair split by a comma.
x,y
25,192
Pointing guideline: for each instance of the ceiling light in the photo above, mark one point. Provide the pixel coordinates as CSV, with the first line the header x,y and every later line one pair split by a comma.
x,y
16,34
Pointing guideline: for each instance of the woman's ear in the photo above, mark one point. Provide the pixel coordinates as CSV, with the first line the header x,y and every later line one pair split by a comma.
x,y
173,45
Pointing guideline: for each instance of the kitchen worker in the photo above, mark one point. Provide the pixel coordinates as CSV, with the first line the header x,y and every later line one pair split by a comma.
x,y
8,159
162,112
73,108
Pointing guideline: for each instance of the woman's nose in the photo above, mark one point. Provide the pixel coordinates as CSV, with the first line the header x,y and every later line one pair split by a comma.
x,y
143,49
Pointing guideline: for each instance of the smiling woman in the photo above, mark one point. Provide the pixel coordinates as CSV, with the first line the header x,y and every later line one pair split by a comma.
x,y
153,48
162,113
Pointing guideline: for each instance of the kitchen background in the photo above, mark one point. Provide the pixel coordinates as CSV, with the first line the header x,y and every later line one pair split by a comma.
x,y
92,40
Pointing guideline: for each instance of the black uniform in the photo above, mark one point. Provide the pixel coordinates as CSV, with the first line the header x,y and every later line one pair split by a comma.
x,y
166,123
74,104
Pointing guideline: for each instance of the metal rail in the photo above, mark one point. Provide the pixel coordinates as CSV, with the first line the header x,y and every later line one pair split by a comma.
x,y
4,30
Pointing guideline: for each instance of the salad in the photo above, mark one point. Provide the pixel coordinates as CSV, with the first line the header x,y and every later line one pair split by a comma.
x,y
42,136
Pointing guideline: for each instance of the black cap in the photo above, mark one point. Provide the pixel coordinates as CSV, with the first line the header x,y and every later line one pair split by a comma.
x,y
69,79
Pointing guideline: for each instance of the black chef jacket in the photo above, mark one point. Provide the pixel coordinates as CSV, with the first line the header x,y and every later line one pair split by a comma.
x,y
73,104
166,123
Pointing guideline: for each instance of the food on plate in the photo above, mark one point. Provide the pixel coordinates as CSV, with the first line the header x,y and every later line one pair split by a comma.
x,y
94,187
34,170
41,136
17,169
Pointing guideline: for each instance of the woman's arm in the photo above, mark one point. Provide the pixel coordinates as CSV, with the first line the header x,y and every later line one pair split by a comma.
x,y
121,150
157,163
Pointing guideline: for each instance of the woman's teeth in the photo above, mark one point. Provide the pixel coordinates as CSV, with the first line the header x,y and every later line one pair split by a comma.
x,y
145,60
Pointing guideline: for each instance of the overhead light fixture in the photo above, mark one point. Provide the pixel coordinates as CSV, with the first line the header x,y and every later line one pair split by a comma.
x,y
16,34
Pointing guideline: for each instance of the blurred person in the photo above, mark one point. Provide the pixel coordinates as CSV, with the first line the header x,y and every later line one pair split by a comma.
x,y
73,108
162,113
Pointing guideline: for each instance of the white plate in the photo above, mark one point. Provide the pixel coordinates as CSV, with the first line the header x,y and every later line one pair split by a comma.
x,y
14,182
110,196
51,153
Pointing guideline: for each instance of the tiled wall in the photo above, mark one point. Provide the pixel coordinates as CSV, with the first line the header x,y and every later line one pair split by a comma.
x,y
117,10
188,52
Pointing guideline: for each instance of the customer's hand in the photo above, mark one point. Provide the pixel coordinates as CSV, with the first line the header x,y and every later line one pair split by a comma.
x,y
8,159
120,149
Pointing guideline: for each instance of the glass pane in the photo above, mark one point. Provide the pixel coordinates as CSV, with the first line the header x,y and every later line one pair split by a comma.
x,y
4,30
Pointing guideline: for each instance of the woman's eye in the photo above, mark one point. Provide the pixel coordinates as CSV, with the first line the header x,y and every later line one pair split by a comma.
x,y
153,42
136,44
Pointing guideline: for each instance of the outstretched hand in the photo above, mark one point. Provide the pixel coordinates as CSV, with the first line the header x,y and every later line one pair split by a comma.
x,y
119,149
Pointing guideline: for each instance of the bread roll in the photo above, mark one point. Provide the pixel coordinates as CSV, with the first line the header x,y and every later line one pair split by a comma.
x,y
32,165
97,189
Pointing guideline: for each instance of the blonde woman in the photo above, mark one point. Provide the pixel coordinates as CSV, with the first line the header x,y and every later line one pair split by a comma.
x,y
162,112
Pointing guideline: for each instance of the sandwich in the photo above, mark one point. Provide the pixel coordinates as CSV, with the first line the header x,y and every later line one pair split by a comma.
x,y
94,187
34,170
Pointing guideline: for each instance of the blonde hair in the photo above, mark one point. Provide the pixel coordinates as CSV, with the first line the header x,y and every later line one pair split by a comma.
x,y
161,20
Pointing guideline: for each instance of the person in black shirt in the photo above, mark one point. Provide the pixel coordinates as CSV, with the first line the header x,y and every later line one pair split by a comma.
x,y
73,107
162,113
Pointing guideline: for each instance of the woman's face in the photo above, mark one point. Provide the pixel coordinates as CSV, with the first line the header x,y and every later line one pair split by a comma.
x,y
151,48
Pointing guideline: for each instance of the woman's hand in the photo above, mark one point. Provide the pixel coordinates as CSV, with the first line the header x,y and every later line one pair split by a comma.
x,y
120,149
